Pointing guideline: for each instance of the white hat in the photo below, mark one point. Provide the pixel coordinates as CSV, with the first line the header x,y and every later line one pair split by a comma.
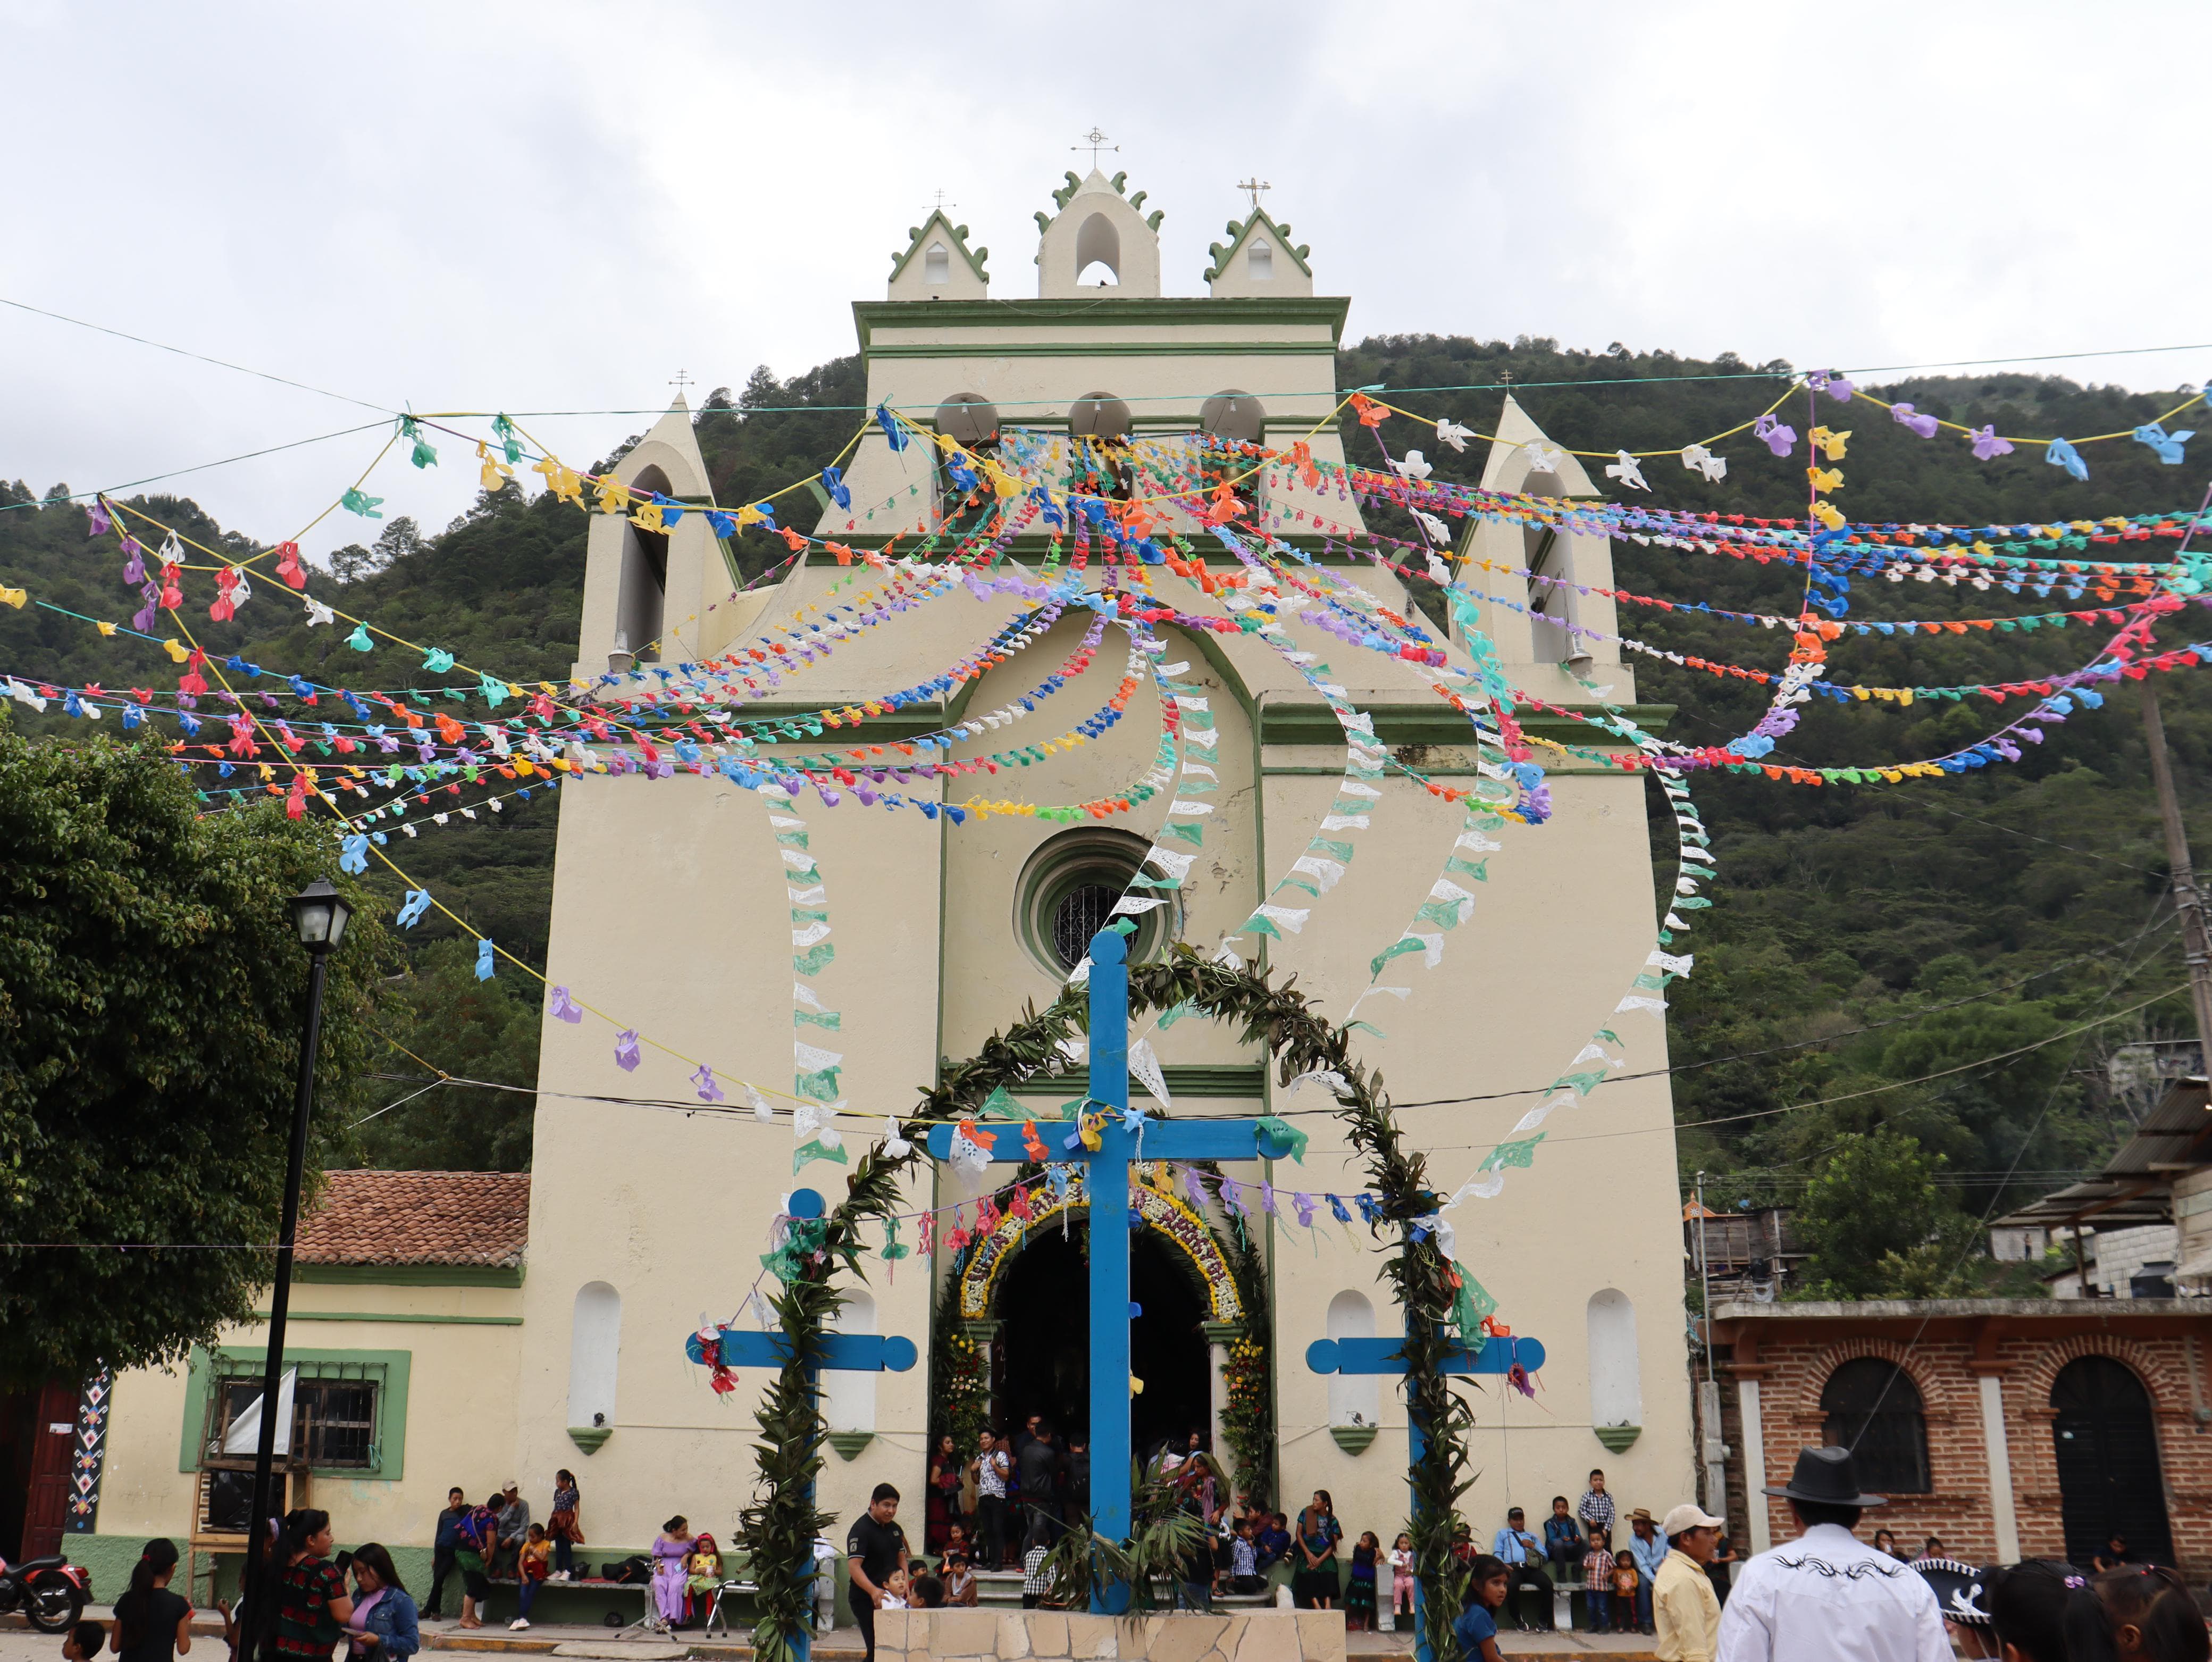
x,y
1689,1515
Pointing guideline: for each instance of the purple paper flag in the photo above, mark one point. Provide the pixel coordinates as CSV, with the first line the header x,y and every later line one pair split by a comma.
x,y
626,1057
563,1008
102,525
704,1079
1988,446
1906,416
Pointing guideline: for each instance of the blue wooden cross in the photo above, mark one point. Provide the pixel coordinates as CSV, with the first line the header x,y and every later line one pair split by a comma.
x,y
843,1353
1497,1354
1107,1188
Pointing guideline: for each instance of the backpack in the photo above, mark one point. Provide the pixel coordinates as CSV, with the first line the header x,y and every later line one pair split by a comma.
x,y
478,1530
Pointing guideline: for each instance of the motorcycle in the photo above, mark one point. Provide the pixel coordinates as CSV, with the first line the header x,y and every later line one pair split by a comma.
x,y
50,1592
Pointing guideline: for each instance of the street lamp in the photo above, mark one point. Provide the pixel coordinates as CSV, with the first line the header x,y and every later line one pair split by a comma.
x,y
319,915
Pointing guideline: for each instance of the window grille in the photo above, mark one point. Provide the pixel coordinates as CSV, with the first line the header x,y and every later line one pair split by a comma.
x,y
334,1411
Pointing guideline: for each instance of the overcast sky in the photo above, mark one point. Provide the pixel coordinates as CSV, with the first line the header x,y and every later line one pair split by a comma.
x,y
558,207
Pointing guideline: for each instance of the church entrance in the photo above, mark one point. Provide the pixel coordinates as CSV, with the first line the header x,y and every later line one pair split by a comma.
x,y
1043,1347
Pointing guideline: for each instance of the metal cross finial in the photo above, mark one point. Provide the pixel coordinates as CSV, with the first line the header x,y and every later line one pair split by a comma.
x,y
941,204
1097,141
683,379
1257,186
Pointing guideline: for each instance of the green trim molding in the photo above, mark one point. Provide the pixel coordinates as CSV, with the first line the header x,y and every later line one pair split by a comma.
x,y
958,233
410,1275
850,1443
1353,1439
1244,1080
1107,312
388,1448
589,1439
1618,1438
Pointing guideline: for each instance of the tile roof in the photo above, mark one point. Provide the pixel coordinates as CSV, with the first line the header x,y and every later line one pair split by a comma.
x,y
479,1218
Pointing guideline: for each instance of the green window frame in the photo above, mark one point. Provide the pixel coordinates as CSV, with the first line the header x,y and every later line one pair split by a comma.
x,y
388,1369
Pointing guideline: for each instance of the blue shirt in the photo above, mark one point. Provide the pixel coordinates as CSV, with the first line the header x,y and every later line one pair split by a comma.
x,y
1474,1625
449,1525
1648,1555
1511,1548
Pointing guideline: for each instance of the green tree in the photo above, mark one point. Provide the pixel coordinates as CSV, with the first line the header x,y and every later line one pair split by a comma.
x,y
470,1029
1876,1226
152,1002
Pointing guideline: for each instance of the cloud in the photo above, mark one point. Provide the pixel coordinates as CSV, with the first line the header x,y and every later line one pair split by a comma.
x,y
556,207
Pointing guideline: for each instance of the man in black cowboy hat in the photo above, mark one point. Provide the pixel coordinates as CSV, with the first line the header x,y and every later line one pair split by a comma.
x,y
1828,1596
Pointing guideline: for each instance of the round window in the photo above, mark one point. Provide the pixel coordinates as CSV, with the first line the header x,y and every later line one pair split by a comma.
x,y
1081,914
1068,890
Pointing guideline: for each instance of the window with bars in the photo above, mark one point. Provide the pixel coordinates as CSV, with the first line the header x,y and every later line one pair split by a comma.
x,y
1871,1408
334,1412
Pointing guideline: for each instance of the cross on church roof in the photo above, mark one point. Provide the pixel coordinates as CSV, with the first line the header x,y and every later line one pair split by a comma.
x,y
1258,187
1097,141
683,379
941,204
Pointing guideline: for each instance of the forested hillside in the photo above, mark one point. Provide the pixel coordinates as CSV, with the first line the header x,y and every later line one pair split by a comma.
x,y
1861,937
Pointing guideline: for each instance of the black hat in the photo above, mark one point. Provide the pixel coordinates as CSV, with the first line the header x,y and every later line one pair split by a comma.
x,y
1826,1474
1958,1589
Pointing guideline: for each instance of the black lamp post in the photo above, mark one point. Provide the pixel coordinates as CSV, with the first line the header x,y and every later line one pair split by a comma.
x,y
319,913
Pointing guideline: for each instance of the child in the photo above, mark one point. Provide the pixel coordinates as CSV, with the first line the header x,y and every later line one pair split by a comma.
x,y
959,1580
1597,1580
84,1642
1625,1583
894,1588
1359,1592
1402,1577
1034,1580
1477,1627
1244,1576
533,1562
928,1592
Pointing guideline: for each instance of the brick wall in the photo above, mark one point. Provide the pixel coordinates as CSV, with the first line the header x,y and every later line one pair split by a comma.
x,y
1795,1359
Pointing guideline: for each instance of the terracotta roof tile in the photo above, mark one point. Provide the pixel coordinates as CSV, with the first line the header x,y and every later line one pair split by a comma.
x,y
479,1218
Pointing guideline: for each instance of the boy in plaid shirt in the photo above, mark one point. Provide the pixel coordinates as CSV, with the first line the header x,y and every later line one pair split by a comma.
x,y
1597,1581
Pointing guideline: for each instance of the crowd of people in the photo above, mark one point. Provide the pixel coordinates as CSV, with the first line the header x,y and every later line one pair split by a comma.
x,y
1824,1595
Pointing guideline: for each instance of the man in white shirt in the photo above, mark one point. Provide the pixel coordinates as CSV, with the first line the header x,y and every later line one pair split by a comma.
x,y
1828,1596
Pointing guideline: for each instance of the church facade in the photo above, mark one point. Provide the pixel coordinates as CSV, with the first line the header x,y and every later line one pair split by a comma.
x,y
676,913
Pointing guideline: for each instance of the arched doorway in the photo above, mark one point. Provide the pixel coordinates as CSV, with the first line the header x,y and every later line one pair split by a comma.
x,y
2109,1479
1030,1279
1043,1307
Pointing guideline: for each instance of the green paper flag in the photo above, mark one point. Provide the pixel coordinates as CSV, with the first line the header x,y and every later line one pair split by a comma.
x,y
1278,1127
1001,1105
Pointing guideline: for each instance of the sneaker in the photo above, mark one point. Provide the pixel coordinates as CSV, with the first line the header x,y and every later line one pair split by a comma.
x,y
517,1624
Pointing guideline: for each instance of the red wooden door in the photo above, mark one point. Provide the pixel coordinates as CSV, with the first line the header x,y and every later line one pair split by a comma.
x,y
53,1448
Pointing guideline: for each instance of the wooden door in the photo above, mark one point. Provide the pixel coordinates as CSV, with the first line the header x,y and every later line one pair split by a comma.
x,y
2109,1479
53,1447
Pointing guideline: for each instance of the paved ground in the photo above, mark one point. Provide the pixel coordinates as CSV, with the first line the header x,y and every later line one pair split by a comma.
x,y
19,1644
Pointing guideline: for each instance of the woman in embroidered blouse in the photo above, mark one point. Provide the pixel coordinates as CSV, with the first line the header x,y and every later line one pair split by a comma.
x,y
564,1525
1316,1586
668,1552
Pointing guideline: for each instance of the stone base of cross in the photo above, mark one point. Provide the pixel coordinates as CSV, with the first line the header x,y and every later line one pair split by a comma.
x,y
1123,1135
841,1353
1497,1354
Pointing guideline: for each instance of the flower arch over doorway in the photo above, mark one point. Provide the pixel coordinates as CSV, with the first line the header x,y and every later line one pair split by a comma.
x,y
1191,1235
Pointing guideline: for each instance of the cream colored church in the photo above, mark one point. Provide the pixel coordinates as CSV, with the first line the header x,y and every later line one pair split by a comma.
x,y
466,1356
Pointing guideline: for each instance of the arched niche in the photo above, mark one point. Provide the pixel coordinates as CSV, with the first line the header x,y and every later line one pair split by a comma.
x,y
848,1397
1354,1399
1260,261
1237,417
968,419
1099,416
1097,244
1616,1371
594,1363
642,603
936,266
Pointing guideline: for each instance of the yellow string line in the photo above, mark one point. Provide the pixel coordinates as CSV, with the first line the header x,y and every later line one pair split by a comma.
x,y
2010,438
410,1056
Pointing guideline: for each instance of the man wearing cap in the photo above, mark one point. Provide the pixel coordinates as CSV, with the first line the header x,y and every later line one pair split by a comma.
x,y
1958,1589
513,1527
1828,1596
1515,1549
1686,1613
